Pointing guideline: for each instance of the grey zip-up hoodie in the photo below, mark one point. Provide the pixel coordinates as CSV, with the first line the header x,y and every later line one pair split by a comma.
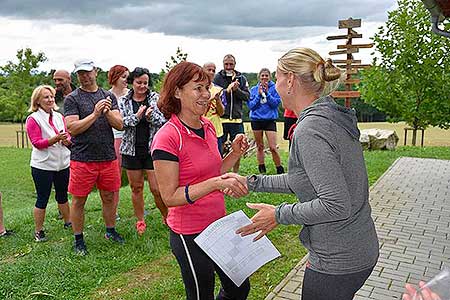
x,y
328,175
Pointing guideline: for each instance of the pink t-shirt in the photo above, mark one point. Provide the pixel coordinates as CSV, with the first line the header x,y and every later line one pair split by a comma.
x,y
199,159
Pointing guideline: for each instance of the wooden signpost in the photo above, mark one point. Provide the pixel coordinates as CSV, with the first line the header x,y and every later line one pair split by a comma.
x,y
350,64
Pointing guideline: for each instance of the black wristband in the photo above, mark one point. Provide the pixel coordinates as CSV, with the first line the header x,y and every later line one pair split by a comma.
x,y
186,194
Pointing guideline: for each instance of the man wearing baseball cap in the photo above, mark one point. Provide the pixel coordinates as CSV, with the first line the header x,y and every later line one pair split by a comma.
x,y
90,113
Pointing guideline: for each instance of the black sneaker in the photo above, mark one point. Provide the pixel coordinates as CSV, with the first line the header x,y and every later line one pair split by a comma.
x,y
68,225
40,236
262,169
115,237
6,233
80,248
280,170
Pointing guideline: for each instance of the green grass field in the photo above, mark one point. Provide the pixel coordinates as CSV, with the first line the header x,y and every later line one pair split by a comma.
x,y
144,267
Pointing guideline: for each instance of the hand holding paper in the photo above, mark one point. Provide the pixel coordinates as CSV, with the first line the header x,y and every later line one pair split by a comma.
x,y
237,256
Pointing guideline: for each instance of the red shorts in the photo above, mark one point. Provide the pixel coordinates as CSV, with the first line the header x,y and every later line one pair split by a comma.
x,y
84,175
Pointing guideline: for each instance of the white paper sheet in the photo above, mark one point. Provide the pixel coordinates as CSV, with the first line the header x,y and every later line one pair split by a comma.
x,y
237,256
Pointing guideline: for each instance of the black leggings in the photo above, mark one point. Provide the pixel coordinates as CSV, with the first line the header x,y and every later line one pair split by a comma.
x,y
43,181
320,286
197,270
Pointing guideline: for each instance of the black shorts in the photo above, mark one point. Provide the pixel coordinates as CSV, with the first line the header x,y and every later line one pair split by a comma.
x,y
266,125
288,122
231,129
137,162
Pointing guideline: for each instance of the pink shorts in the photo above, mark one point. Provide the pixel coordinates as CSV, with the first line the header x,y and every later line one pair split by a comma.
x,y
84,175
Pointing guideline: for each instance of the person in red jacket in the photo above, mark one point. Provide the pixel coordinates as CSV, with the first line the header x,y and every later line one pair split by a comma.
x,y
290,119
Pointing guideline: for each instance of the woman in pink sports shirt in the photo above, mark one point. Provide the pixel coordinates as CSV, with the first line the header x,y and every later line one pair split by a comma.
x,y
50,156
189,171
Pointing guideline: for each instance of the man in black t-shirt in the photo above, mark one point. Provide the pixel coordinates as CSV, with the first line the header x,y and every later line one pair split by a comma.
x,y
90,113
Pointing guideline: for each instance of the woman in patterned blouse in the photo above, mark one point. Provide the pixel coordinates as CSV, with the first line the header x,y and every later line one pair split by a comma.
x,y
141,120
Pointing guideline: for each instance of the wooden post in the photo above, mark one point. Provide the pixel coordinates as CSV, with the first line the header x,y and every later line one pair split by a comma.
x,y
349,64
406,134
348,86
421,141
414,135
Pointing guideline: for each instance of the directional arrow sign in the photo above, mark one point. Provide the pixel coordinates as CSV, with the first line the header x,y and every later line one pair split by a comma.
x,y
343,37
347,61
352,81
346,94
347,51
350,23
354,66
355,46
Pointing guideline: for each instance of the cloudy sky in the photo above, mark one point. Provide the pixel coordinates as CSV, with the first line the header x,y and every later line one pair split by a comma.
x,y
146,33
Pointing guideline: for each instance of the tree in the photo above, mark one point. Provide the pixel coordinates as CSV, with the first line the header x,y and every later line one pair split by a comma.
x,y
102,78
174,60
17,83
410,81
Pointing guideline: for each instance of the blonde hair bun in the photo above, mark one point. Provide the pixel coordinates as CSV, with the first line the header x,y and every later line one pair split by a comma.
x,y
326,71
317,75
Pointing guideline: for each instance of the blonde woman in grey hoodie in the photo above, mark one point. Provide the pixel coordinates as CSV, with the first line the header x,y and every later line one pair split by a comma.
x,y
328,175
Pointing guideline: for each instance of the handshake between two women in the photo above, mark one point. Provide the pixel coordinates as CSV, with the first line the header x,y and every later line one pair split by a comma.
x,y
236,186
264,220
232,184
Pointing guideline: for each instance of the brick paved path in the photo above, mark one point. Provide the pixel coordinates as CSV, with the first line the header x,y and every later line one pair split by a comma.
x,y
411,209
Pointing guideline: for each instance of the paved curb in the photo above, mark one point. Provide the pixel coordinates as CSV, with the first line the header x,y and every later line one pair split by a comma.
x,y
288,278
384,174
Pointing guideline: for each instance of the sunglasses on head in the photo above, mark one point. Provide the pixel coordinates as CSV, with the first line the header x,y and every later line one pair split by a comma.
x,y
141,70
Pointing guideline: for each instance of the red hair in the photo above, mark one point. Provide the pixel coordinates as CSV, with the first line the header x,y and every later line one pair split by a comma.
x,y
115,72
178,77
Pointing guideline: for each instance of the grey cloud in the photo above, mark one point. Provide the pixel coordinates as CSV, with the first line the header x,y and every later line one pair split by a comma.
x,y
248,20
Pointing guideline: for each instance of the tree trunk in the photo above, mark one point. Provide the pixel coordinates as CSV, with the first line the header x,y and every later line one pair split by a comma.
x,y
414,136
415,125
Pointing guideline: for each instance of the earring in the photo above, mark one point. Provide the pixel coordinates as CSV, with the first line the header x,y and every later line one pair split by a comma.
x,y
289,91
